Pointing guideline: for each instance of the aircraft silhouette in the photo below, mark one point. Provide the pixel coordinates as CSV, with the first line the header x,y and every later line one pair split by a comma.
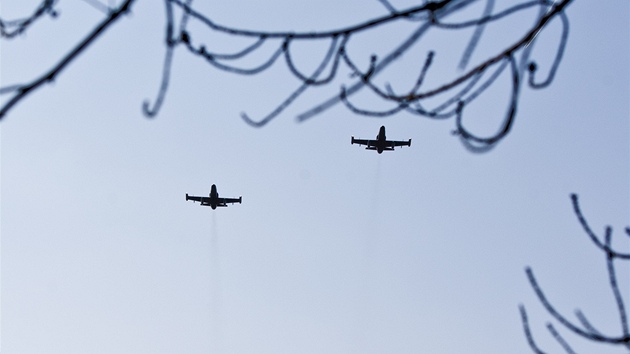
x,y
213,200
381,143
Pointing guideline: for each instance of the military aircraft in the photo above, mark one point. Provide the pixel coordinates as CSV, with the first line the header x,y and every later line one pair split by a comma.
x,y
381,143
213,200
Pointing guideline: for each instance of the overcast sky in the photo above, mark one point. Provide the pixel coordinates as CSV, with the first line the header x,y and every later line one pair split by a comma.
x,y
335,249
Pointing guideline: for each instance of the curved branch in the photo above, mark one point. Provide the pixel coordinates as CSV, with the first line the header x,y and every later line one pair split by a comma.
x,y
388,6
411,101
435,113
262,122
591,234
586,323
423,72
495,75
612,278
364,112
555,314
98,6
507,122
559,339
147,109
289,99
261,40
528,333
233,69
170,42
476,36
452,96
589,332
428,7
506,53
324,63
46,7
487,18
365,76
391,57
556,62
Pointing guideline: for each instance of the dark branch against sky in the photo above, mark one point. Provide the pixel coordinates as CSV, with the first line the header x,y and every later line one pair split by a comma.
x,y
454,94
584,329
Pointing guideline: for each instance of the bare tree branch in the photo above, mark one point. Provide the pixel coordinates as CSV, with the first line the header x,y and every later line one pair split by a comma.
x,y
98,5
22,91
460,91
453,94
528,332
591,234
567,348
586,330
12,28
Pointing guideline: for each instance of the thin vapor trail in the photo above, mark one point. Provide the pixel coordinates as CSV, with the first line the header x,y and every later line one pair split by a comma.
x,y
216,293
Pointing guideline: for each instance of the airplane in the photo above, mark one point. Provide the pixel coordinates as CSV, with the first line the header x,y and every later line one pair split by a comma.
x,y
381,143
213,200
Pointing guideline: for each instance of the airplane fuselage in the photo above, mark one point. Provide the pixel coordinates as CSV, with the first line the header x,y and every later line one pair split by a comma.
x,y
214,198
380,141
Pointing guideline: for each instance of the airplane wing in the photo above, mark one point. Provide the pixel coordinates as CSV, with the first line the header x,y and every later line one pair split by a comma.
x,y
399,143
230,200
196,199
363,142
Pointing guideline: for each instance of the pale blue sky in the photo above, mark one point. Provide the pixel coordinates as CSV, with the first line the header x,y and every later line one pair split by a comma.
x,y
335,249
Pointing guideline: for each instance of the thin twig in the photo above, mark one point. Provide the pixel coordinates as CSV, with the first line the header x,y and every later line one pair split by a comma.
x,y
49,76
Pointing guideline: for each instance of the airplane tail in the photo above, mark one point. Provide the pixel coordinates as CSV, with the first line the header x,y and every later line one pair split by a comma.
x,y
351,140
187,197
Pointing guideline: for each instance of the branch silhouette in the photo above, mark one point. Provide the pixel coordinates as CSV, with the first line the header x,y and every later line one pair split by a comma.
x,y
584,328
12,28
459,92
454,95
21,91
